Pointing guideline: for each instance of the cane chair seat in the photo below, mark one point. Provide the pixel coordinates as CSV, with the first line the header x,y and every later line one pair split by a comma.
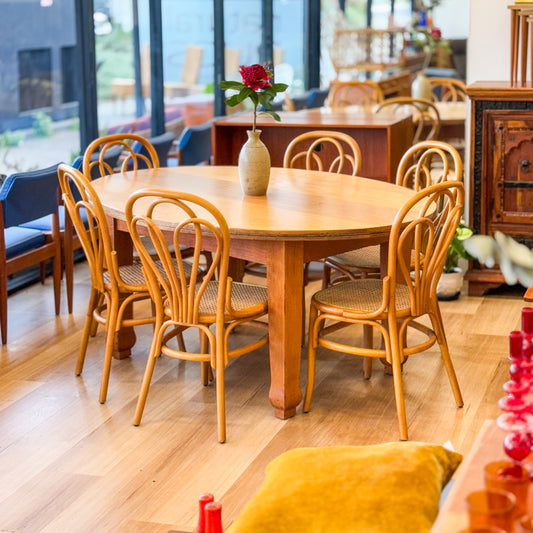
x,y
365,258
422,165
244,296
361,296
212,303
132,274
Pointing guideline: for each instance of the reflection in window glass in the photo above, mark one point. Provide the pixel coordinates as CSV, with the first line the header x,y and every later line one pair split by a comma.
x,y
115,71
188,62
39,123
288,44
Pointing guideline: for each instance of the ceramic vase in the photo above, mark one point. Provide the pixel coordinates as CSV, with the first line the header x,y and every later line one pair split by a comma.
x,y
450,283
421,87
254,165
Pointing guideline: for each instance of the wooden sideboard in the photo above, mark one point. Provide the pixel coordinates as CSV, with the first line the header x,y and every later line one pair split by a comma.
x,y
382,138
501,168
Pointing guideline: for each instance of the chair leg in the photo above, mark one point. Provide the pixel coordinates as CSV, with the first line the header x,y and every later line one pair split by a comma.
x,y
205,365
42,272
311,358
57,279
86,331
393,346
3,308
155,350
221,399
94,323
368,340
111,330
68,259
438,327
326,276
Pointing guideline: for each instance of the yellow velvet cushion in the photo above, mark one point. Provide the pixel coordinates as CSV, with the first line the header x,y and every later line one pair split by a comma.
x,y
393,487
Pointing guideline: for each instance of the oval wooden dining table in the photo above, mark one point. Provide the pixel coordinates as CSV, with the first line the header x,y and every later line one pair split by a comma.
x,y
305,216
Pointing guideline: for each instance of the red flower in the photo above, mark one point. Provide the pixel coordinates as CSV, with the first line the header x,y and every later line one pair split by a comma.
x,y
255,76
436,33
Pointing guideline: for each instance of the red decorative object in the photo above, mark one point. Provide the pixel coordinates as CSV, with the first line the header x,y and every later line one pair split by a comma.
x,y
517,405
213,518
203,500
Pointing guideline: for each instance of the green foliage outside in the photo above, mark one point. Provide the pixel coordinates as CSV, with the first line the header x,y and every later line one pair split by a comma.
x,y
114,58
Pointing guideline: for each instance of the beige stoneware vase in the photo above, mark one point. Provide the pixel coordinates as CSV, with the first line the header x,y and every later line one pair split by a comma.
x,y
254,165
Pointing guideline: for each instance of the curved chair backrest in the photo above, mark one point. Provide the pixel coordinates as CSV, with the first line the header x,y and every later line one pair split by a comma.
x,y
425,115
168,284
89,220
27,196
427,163
194,144
162,145
131,160
333,151
417,249
448,89
110,159
345,93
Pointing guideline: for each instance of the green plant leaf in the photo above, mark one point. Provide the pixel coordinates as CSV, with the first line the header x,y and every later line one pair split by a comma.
x,y
273,114
236,85
279,87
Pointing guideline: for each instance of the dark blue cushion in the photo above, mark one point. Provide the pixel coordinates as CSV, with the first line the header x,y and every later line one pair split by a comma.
x,y
45,223
29,195
20,240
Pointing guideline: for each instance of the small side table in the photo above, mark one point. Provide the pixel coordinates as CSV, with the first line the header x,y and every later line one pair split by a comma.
x,y
487,447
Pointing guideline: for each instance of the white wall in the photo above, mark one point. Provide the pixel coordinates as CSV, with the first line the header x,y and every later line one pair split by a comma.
x,y
452,18
488,52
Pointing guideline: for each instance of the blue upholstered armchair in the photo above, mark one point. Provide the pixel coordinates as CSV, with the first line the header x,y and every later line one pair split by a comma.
x,y
24,197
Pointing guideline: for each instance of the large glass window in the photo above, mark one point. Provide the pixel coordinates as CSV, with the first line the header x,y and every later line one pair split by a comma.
x,y
39,123
188,62
288,43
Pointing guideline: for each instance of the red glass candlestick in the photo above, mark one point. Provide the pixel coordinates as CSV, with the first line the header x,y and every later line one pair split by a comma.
x,y
203,500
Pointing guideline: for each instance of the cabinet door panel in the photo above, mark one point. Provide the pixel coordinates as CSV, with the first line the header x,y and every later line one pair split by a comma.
x,y
511,194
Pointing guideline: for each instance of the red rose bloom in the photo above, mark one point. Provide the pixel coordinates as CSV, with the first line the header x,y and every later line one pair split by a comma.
x,y
255,76
435,32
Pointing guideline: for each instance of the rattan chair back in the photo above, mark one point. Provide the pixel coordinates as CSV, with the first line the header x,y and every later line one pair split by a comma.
x,y
132,157
427,163
332,151
346,93
425,115
448,89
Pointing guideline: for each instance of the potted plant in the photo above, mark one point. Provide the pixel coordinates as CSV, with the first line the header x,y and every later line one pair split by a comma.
x,y
451,280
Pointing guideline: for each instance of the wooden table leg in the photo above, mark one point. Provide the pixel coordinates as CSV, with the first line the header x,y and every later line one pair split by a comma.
x,y
284,285
514,45
523,47
123,245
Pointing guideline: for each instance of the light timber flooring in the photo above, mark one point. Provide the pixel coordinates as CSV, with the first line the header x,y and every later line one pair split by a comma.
x,y
69,464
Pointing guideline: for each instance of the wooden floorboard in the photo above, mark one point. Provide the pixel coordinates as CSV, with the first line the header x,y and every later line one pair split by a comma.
x,y
68,463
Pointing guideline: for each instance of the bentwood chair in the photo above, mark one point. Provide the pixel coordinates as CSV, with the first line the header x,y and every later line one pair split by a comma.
x,y
448,89
24,197
425,115
424,164
346,93
113,287
102,157
214,301
392,305
330,151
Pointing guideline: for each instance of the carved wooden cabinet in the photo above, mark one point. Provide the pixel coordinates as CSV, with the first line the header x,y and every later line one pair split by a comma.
x,y
501,169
